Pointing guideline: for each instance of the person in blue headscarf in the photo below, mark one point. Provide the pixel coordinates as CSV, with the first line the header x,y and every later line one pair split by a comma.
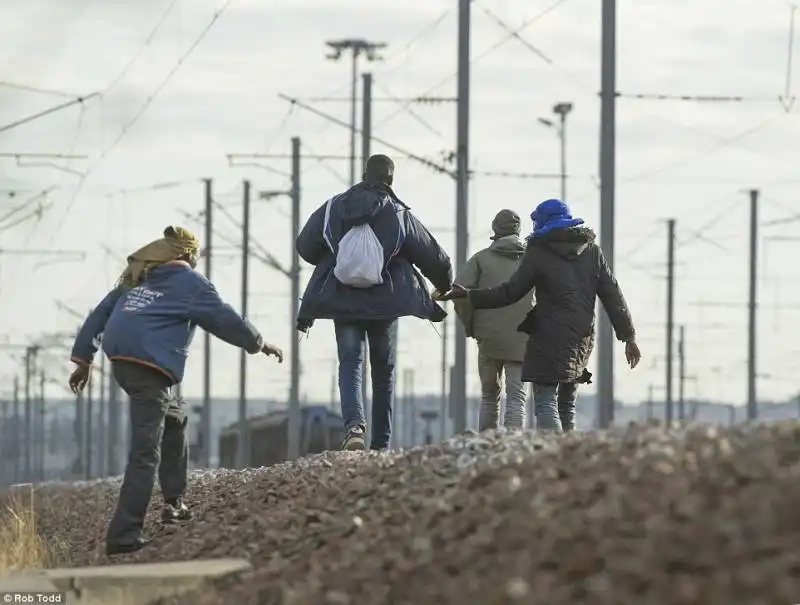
x,y
552,214
568,272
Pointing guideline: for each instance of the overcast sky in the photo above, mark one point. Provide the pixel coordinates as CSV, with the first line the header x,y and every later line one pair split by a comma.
x,y
684,159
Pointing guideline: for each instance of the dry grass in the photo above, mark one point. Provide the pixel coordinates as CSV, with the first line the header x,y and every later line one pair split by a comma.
x,y
21,546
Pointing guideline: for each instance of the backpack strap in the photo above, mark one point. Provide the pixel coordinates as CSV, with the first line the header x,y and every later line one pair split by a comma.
x,y
399,210
327,233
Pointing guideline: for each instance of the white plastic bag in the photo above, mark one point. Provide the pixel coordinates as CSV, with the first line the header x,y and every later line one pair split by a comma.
x,y
359,261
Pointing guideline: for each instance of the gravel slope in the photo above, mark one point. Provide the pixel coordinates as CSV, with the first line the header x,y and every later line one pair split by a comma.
x,y
710,515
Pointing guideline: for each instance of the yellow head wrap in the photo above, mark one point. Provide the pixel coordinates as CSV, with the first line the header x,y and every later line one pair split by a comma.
x,y
176,243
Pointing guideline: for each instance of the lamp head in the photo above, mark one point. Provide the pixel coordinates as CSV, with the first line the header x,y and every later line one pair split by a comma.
x,y
562,109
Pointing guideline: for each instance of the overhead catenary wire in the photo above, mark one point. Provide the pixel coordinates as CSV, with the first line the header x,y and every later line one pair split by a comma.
x,y
525,175
510,36
285,156
699,232
76,133
197,218
145,106
274,136
18,155
37,212
514,34
412,156
323,161
646,239
393,99
47,112
152,187
792,215
656,96
682,181
230,240
321,158
416,38
233,157
786,99
264,255
783,221
39,90
142,109
695,234
23,219
413,114
108,87
697,98
148,41
24,205
722,144
708,99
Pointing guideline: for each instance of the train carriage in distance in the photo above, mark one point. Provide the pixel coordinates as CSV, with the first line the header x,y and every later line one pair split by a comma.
x,y
320,430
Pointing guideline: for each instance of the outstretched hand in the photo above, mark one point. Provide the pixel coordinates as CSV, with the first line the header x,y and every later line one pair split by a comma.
x,y
80,377
272,351
455,292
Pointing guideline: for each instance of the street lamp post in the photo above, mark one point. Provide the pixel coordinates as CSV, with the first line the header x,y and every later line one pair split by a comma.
x,y
561,110
370,50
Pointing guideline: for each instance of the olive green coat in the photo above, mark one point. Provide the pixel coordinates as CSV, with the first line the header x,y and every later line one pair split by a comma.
x,y
495,329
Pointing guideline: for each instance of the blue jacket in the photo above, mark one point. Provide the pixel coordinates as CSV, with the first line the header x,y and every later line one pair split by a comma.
x,y
407,244
154,323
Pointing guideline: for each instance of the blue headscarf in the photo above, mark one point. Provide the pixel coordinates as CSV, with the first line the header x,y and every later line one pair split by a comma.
x,y
552,214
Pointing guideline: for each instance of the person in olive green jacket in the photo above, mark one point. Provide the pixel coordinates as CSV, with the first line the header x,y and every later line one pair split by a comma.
x,y
501,347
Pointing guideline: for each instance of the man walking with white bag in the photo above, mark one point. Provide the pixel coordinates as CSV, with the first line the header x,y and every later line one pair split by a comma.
x,y
365,245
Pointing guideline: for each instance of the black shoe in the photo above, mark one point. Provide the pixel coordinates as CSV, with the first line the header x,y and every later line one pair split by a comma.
x,y
126,549
176,512
354,440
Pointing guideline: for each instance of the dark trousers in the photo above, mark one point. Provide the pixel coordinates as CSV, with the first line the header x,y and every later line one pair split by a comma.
x,y
350,339
158,424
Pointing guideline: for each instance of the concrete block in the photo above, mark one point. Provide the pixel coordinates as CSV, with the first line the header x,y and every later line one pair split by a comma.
x,y
26,581
135,584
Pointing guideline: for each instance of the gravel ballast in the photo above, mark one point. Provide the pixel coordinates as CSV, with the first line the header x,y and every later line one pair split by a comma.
x,y
709,515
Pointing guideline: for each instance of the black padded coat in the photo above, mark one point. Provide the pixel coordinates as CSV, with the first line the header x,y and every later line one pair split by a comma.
x,y
569,272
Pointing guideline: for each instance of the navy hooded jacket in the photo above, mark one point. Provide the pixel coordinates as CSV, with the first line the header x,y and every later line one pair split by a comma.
x,y
154,322
406,243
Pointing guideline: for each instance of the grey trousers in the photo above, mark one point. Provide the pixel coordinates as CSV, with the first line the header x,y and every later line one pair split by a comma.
x,y
492,372
554,405
158,446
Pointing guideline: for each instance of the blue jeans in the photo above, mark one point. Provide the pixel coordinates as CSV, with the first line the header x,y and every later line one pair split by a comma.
x,y
554,405
350,338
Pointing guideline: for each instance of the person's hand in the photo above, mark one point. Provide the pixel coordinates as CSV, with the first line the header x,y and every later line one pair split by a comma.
x,y
455,292
272,351
439,294
80,377
632,353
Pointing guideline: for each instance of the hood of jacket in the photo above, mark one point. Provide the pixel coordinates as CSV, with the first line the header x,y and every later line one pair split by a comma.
x,y
568,243
363,201
511,246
